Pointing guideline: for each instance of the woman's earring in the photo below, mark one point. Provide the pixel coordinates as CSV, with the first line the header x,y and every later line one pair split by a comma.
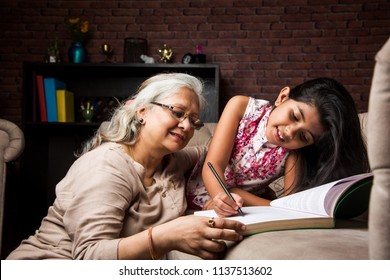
x,y
141,120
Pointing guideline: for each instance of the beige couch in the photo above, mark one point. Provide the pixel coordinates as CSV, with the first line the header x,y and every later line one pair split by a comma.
x,y
364,237
11,146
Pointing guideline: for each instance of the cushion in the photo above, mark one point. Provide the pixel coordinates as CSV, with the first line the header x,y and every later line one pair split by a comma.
x,y
349,240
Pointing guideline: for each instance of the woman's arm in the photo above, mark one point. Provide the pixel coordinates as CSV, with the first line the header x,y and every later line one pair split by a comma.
x,y
189,234
219,153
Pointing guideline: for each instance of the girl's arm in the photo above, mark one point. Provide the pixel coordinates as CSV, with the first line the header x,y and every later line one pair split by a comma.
x,y
290,173
220,150
289,179
251,199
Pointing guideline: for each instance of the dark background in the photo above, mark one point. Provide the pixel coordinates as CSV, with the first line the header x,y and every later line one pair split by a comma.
x,y
261,46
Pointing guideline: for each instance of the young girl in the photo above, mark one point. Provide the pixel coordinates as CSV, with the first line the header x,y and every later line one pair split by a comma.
x,y
311,136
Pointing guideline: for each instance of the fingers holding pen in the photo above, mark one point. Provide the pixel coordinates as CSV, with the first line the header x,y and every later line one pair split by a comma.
x,y
224,206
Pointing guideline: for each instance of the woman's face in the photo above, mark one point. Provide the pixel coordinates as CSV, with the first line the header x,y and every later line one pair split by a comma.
x,y
163,129
293,125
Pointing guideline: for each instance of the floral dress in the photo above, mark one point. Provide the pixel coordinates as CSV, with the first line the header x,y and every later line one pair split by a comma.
x,y
254,163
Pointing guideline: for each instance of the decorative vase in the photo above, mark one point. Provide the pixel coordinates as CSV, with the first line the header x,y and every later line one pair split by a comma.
x,y
88,115
77,53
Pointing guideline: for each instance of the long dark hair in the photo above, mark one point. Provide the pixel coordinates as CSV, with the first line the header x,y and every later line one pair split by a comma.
x,y
341,150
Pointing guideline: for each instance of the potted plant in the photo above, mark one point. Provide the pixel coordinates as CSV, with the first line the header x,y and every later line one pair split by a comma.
x,y
53,52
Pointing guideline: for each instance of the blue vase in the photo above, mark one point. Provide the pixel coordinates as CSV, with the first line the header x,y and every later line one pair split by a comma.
x,y
77,53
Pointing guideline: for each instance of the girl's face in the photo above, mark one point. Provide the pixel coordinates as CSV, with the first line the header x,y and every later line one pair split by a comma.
x,y
163,130
293,125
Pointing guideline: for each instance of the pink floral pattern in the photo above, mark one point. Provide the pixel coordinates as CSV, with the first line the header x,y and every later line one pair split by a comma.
x,y
254,162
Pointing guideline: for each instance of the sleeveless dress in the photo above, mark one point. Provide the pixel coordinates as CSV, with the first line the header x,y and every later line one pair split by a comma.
x,y
254,163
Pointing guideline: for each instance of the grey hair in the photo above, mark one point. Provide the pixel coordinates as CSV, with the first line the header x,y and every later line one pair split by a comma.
x,y
124,125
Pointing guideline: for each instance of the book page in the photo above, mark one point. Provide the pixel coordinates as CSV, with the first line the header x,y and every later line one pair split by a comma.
x,y
319,200
257,214
335,193
311,200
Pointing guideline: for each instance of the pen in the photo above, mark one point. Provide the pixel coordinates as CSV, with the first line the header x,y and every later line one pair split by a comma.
x,y
223,185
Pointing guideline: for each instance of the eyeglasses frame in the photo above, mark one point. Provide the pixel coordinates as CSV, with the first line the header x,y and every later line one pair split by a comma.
x,y
196,125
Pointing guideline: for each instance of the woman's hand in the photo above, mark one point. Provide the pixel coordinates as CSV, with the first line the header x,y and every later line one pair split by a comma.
x,y
198,236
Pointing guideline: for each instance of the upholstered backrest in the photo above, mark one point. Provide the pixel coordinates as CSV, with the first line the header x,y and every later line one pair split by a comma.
x,y
11,146
203,136
378,139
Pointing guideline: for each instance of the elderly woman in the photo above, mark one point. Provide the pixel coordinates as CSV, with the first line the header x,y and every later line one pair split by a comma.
x,y
123,198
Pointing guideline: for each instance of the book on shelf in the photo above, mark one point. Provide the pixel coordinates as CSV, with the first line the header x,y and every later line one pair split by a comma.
x,y
65,105
318,207
51,86
41,98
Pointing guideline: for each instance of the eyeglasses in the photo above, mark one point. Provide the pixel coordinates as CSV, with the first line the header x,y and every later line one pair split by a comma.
x,y
181,116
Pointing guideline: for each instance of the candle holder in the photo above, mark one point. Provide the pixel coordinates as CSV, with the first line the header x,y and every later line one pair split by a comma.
x,y
106,50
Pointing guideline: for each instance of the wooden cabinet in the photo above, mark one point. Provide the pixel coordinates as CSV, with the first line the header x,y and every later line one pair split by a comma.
x,y
50,146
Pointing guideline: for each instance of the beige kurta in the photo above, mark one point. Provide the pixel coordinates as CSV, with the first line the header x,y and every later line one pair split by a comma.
x,y
102,199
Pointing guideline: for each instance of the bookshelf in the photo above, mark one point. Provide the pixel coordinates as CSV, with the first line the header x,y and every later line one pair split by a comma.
x,y
112,82
50,146
55,142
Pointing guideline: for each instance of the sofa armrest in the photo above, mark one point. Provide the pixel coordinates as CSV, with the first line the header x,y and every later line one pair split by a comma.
x,y
378,154
11,140
11,146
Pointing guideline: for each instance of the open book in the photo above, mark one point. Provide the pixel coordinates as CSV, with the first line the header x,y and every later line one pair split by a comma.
x,y
318,207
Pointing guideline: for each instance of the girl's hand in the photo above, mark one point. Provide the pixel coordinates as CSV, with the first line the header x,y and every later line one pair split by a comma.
x,y
224,206
200,236
209,205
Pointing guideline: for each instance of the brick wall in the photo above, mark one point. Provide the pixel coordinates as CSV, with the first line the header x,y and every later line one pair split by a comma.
x,y
261,46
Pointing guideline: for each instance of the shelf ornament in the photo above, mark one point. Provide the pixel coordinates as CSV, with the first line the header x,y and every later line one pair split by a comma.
x,y
79,31
53,52
88,112
166,53
106,49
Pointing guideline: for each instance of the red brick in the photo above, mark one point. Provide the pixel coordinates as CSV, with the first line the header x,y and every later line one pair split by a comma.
x,y
259,45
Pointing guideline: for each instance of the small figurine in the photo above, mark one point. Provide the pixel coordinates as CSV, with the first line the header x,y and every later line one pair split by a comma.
x,y
165,54
147,59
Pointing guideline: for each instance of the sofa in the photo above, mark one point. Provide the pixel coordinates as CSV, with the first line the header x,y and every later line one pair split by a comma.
x,y
11,147
361,238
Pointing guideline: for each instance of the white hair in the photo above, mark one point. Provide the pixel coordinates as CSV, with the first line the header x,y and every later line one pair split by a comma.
x,y
124,125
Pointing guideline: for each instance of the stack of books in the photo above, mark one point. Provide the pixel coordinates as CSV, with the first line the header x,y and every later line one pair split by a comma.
x,y
56,103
